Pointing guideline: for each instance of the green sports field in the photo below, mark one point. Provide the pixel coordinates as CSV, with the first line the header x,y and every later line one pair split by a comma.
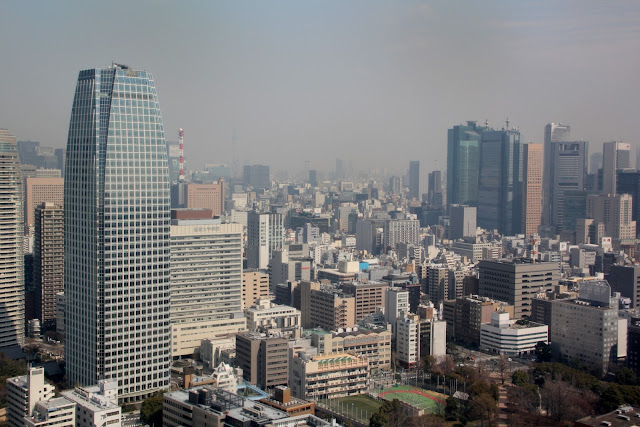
x,y
422,399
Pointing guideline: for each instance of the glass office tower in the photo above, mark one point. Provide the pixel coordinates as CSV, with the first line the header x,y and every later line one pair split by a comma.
x,y
117,222
463,161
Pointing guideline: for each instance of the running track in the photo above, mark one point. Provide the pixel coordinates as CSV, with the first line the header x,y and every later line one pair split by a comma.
x,y
421,393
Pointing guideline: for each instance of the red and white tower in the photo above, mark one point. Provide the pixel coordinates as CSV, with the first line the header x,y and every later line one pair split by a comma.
x,y
181,147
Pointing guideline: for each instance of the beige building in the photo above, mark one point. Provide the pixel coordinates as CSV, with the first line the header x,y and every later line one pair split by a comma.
x,y
207,196
255,286
325,306
329,376
614,211
24,392
38,191
48,262
375,344
266,315
59,412
532,188
369,296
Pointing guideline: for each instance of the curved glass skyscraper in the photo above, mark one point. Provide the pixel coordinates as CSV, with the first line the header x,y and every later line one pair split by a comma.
x,y
117,216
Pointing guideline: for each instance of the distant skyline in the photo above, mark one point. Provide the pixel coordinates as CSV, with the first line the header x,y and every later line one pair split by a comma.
x,y
375,83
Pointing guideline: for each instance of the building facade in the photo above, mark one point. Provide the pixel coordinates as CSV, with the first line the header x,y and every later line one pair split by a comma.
x,y
38,191
463,163
117,253
533,156
12,298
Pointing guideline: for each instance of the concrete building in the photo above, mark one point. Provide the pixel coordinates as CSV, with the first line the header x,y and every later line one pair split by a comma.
x,y
329,376
38,191
96,405
265,234
12,287
511,337
373,343
437,283
263,358
615,156
432,338
614,211
206,196
470,313
434,192
396,303
369,296
117,247
255,286
400,231
517,282
48,262
533,155
285,268
568,173
283,401
206,282
595,342
408,340
24,392
473,251
216,350
326,307
626,280
60,313
553,132
59,412
462,221
257,176
266,315
633,345
209,406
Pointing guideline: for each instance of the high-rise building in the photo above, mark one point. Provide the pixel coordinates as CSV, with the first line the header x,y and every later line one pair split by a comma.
x,y
11,256
117,246
614,211
257,176
553,132
434,194
206,282
48,262
532,188
462,221
313,178
38,191
265,233
500,181
414,179
568,172
264,359
626,280
517,282
463,162
255,286
615,156
206,196
628,182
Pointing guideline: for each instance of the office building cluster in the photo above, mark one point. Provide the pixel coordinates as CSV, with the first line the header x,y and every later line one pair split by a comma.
x,y
298,291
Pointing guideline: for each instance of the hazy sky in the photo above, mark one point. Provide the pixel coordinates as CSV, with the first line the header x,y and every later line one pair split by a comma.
x,y
375,82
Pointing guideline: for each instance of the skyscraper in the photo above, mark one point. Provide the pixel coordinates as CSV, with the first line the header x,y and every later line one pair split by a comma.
x,y
615,156
264,235
568,173
11,256
414,179
532,188
500,181
553,132
463,161
116,198
435,188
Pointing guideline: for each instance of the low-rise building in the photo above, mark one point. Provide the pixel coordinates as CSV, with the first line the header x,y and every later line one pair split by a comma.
x,y
511,337
209,406
59,412
283,401
255,286
408,340
216,350
96,405
267,315
264,359
329,376
24,392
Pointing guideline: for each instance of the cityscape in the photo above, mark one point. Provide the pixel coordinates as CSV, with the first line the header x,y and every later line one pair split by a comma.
x,y
477,273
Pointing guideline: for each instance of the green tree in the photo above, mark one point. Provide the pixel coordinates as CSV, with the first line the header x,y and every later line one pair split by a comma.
x,y
626,376
611,398
543,352
151,410
8,369
520,377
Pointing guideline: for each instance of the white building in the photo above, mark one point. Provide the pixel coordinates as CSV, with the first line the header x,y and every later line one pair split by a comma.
x,y
96,405
266,315
408,340
24,392
265,233
212,350
58,412
511,337
206,282
396,302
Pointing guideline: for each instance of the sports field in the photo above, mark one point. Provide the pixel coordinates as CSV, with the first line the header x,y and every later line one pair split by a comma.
x,y
422,399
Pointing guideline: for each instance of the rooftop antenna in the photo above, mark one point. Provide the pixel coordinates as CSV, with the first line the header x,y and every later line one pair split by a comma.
x,y
486,122
507,123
